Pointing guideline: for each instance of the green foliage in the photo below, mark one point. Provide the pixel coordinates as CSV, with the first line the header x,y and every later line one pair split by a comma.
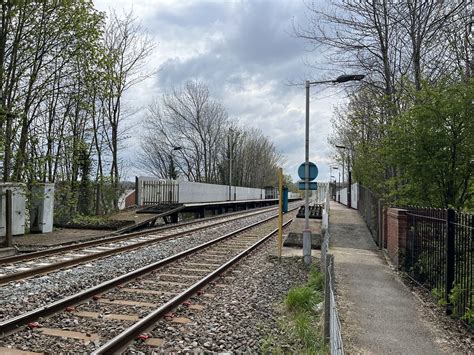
x,y
300,299
423,154
438,294
316,280
300,324
92,220
432,145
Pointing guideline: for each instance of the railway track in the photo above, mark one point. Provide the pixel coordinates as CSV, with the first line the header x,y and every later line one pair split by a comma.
x,y
107,317
20,267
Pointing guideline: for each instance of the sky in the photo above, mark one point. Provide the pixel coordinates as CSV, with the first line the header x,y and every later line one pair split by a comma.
x,y
247,54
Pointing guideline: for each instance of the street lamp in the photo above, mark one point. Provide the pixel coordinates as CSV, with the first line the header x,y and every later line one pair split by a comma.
x,y
307,231
349,175
230,141
335,182
172,162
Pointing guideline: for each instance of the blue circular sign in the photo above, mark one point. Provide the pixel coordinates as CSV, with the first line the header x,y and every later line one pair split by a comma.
x,y
313,171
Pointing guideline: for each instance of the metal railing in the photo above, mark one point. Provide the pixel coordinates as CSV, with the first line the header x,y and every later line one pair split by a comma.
x,y
154,191
332,324
335,337
440,256
370,208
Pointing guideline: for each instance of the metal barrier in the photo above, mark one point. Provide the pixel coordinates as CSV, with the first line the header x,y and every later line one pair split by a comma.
x,y
440,255
332,324
370,207
335,337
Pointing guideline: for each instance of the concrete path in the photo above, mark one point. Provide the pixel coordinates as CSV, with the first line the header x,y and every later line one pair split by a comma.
x,y
378,313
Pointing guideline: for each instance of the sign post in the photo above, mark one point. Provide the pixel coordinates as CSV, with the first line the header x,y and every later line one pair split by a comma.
x,y
307,171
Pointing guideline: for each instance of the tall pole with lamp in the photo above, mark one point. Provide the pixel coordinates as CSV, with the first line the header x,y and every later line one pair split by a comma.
x,y
171,172
307,231
335,182
231,131
349,177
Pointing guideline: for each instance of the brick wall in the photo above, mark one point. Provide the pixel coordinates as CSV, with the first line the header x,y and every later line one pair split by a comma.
x,y
396,229
130,200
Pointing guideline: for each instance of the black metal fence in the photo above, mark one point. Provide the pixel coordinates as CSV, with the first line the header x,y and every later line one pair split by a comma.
x,y
369,208
440,256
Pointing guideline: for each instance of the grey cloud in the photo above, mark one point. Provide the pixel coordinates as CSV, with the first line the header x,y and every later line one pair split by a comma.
x,y
244,46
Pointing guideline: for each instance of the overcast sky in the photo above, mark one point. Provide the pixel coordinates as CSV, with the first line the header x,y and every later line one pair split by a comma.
x,y
245,51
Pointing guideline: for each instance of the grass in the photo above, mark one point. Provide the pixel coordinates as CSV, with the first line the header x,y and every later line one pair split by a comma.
x,y
301,320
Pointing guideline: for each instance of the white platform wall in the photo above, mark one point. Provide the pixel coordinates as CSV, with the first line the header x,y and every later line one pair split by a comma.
x,y
354,196
199,192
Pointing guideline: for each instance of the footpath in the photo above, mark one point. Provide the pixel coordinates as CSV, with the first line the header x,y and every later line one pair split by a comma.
x,y
379,315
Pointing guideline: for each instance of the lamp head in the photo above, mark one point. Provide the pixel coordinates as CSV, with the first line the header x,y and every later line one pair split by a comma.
x,y
346,78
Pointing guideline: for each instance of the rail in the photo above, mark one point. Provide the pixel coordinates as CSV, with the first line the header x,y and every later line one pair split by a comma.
x,y
119,343
15,322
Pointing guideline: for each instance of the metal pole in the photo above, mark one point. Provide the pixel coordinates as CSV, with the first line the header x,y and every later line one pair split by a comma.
x,y
450,254
349,178
339,192
280,211
306,231
343,172
230,166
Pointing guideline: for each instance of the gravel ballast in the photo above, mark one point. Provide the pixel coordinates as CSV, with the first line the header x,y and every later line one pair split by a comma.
x,y
246,308
25,295
103,328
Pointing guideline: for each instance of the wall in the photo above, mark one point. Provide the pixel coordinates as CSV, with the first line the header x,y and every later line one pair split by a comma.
x,y
396,229
191,192
200,192
354,195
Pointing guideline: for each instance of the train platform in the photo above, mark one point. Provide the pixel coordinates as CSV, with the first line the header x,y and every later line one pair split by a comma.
x,y
138,220
291,249
379,315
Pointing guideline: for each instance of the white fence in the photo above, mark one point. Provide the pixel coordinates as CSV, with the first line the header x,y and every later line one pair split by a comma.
x,y
199,192
152,190
354,195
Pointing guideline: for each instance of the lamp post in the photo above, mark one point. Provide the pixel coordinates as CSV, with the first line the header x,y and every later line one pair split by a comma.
x,y
349,177
339,194
172,161
307,231
335,182
231,132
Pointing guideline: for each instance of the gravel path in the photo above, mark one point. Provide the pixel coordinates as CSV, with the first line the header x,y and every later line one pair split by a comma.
x,y
245,308
25,295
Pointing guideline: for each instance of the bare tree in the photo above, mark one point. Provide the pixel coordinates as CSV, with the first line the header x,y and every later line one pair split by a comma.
x,y
127,48
191,119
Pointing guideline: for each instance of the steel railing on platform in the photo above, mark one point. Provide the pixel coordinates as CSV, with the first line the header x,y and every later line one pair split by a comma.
x,y
332,324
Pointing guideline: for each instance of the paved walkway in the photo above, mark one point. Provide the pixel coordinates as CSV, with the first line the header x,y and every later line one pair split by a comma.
x,y
378,313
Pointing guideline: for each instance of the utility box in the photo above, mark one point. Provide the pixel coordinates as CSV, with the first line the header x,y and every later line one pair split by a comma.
x,y
42,208
18,208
